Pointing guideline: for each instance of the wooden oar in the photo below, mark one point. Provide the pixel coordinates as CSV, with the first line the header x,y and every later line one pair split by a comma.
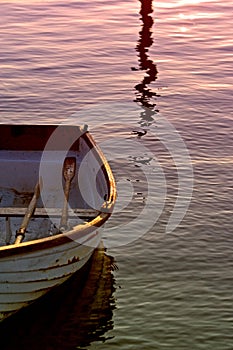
x,y
20,234
69,168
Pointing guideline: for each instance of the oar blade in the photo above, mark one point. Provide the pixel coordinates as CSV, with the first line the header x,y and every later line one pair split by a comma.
x,y
69,168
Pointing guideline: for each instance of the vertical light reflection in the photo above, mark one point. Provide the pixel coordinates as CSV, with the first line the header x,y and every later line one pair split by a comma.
x,y
145,97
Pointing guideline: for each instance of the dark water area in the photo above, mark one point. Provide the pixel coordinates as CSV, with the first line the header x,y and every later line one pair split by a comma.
x,y
153,80
71,316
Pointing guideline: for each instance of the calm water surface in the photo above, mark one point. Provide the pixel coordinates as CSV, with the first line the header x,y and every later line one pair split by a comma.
x,y
124,66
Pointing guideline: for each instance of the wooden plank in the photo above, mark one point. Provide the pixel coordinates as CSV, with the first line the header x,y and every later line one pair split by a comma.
x,y
48,212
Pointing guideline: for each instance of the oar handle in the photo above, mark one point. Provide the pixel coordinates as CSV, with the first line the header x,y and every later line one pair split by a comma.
x,y
69,168
64,216
20,233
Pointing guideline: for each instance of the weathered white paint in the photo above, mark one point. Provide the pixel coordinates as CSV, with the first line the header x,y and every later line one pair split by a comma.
x,y
28,277
29,272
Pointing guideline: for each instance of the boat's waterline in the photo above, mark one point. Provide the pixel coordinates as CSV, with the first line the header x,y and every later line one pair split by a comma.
x,y
31,268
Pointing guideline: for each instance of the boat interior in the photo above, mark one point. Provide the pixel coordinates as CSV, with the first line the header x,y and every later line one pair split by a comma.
x,y
35,155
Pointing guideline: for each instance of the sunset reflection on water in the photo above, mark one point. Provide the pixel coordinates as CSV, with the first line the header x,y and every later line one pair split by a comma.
x,y
104,61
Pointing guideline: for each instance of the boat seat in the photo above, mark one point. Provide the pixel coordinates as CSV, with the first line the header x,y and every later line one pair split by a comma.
x,y
48,212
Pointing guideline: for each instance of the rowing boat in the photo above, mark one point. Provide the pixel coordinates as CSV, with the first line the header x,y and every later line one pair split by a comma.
x,y
56,192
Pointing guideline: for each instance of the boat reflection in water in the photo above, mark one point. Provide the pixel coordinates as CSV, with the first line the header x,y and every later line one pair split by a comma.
x,y
72,316
145,97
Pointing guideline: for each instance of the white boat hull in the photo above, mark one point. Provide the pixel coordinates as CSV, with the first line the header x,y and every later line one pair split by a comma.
x,y
45,259
29,276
